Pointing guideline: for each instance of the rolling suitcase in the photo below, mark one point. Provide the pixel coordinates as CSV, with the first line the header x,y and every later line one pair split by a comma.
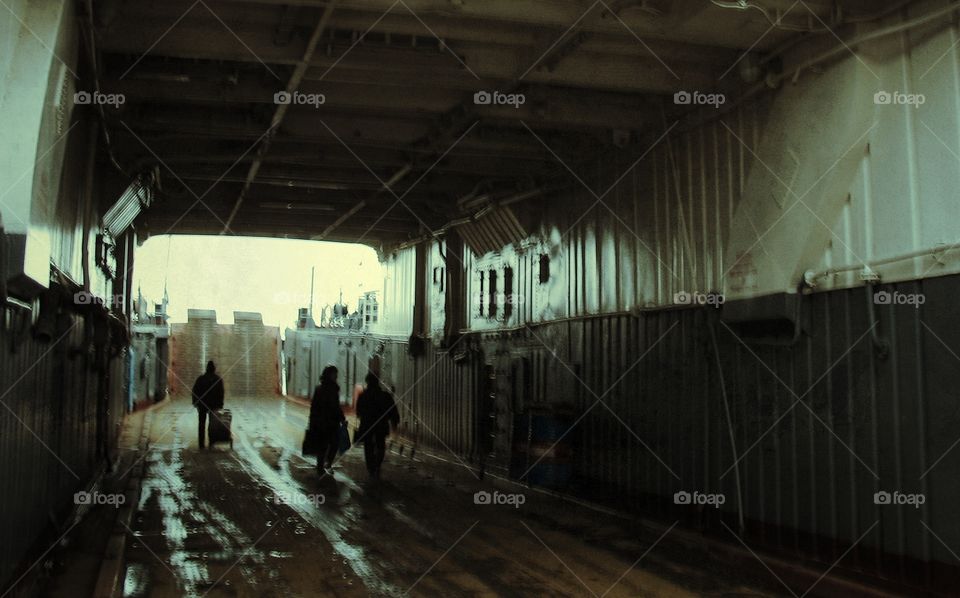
x,y
219,428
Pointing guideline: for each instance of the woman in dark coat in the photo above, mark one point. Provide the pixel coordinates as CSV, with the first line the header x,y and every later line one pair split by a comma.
x,y
326,417
376,411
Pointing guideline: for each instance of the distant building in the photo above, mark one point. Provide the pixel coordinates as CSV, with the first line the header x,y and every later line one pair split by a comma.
x,y
149,353
368,310
305,318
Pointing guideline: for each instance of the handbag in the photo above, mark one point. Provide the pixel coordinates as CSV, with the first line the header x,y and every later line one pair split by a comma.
x,y
311,442
344,439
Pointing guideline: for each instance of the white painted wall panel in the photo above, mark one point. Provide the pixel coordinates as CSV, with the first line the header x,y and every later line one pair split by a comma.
x,y
907,197
397,295
665,227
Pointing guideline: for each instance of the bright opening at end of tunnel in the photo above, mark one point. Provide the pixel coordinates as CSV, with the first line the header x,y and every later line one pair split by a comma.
x,y
268,276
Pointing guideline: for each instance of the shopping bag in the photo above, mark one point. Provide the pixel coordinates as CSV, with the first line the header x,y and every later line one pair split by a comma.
x,y
311,443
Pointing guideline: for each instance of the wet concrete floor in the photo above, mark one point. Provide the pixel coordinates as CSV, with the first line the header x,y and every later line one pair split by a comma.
x,y
257,520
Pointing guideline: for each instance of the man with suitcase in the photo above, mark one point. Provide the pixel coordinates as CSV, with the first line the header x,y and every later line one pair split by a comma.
x,y
207,397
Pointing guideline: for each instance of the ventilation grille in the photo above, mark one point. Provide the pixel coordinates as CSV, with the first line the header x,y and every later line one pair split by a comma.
x,y
492,231
138,196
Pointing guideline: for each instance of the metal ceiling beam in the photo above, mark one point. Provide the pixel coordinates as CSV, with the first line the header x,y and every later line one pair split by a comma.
x,y
459,117
407,34
296,228
512,143
639,72
282,108
561,14
456,175
388,185
575,109
361,112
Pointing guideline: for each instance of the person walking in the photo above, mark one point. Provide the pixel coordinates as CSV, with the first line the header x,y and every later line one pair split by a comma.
x,y
326,417
376,411
207,397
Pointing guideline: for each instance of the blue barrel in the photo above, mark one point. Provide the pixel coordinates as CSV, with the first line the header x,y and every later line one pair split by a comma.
x,y
542,449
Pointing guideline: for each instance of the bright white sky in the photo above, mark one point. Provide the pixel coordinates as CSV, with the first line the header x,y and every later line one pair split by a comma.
x,y
270,276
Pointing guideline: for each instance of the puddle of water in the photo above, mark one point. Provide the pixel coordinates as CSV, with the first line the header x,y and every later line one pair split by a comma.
x,y
280,480
185,515
276,554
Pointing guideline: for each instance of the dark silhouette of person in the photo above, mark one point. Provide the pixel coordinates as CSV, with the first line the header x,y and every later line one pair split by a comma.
x,y
326,417
376,411
207,397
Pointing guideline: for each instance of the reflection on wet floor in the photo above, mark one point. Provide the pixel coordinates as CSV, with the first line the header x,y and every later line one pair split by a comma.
x,y
257,521
135,580
213,536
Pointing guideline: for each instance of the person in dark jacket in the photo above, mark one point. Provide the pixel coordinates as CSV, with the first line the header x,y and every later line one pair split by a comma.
x,y
326,417
207,397
376,411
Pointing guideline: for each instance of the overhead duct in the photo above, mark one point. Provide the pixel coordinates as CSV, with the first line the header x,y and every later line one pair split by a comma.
x,y
492,230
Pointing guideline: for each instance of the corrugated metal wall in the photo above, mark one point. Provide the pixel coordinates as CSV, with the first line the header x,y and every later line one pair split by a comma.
x,y
396,298
662,227
309,351
869,420
49,431
439,398
442,404
144,369
820,425
658,231
877,408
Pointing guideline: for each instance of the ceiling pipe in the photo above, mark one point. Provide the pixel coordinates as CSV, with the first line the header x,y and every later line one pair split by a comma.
x,y
845,20
877,34
281,112
285,183
95,71
794,73
868,269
